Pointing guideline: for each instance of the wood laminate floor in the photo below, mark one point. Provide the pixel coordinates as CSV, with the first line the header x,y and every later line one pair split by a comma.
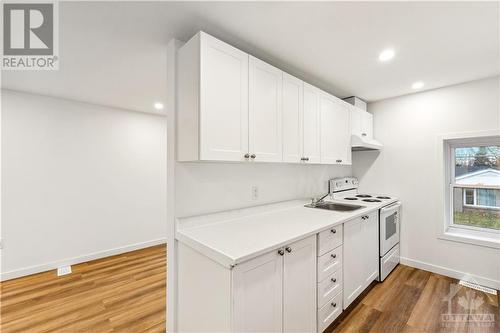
x,y
123,293
126,293
413,300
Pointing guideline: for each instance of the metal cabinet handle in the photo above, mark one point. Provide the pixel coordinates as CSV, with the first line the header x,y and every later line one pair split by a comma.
x,y
307,159
253,156
363,134
333,231
334,304
333,256
339,161
303,159
334,280
247,155
288,249
281,252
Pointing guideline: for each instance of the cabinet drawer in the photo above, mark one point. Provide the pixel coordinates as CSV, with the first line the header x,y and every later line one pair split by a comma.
x,y
329,287
329,239
329,263
329,312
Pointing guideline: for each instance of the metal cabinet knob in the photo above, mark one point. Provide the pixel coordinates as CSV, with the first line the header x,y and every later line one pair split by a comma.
x,y
288,249
253,156
333,231
247,155
333,256
334,280
334,304
281,252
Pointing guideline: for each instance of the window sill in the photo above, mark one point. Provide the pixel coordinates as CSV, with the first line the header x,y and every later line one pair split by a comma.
x,y
480,238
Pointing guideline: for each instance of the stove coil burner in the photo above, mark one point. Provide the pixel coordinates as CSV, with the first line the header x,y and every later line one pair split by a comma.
x,y
383,197
372,200
351,198
364,196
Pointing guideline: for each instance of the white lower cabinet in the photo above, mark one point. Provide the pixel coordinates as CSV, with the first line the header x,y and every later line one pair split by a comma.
x,y
329,312
276,292
258,291
360,255
329,287
301,287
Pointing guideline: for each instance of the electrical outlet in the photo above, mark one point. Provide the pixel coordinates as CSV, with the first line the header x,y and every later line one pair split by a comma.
x,y
65,270
255,192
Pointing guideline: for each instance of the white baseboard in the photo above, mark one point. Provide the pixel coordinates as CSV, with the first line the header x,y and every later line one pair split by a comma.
x,y
78,260
495,284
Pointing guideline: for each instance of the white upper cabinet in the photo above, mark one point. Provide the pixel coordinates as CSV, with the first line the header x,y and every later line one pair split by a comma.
x,y
212,118
361,123
335,130
311,121
293,108
301,121
232,106
265,111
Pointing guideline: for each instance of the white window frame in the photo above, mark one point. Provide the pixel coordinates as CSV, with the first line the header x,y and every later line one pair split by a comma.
x,y
448,230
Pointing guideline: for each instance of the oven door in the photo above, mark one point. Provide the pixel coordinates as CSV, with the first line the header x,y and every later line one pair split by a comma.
x,y
389,227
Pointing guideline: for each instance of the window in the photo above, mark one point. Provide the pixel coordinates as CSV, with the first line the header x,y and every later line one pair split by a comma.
x,y
471,164
476,185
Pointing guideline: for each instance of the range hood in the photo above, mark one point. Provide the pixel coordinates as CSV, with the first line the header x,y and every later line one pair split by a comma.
x,y
359,142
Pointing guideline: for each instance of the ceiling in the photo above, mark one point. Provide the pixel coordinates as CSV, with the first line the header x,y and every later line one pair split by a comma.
x,y
114,53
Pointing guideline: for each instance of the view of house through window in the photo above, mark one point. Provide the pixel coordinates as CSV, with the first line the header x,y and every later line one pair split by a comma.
x,y
476,187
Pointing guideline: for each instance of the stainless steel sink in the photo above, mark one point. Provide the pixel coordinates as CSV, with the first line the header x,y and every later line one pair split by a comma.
x,y
335,206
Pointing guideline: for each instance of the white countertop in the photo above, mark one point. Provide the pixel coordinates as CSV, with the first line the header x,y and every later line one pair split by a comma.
x,y
235,236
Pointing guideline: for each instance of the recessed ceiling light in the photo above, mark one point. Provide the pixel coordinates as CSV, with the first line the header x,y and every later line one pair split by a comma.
x,y
159,106
386,55
417,85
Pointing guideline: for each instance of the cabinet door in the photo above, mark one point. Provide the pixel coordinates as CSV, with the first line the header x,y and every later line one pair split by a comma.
x,y
356,121
223,101
311,120
257,286
335,131
292,118
299,286
265,111
371,256
367,124
354,278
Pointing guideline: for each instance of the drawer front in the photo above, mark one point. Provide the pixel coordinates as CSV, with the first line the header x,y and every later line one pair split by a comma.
x,y
329,263
329,239
329,287
329,312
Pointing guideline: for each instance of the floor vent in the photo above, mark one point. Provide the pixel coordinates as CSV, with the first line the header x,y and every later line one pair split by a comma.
x,y
65,270
477,287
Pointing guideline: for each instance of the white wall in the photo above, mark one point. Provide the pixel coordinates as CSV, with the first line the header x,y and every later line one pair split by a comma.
x,y
210,187
408,167
79,181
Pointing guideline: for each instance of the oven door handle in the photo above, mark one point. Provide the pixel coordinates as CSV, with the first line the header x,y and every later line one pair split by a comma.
x,y
393,206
